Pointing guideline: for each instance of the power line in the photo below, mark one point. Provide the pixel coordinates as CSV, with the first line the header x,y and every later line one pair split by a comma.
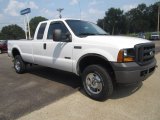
x,y
80,10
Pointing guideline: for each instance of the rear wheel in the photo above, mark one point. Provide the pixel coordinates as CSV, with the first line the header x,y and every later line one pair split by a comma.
x,y
19,64
0,51
97,82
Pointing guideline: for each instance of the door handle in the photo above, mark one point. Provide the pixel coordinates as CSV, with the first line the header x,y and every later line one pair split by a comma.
x,y
77,47
44,46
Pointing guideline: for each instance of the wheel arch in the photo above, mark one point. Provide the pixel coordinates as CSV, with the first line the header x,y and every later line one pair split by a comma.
x,y
15,51
93,58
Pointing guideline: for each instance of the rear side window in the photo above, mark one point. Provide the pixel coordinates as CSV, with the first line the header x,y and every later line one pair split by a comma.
x,y
41,31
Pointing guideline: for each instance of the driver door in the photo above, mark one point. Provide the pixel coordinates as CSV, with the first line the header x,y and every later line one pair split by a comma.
x,y
58,54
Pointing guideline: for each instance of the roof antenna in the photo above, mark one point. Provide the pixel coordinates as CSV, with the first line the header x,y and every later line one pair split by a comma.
x,y
80,9
60,10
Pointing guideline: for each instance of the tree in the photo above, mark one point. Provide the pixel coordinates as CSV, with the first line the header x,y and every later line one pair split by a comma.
x,y
11,32
34,23
100,23
139,19
114,19
2,37
114,22
152,16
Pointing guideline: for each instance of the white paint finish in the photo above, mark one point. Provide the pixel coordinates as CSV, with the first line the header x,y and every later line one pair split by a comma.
x,y
55,53
119,42
24,47
38,52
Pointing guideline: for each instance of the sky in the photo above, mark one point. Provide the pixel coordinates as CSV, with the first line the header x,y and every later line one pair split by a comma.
x,y
90,10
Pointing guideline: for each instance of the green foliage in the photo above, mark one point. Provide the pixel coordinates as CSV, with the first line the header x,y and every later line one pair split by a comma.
x,y
114,21
148,35
11,32
34,23
139,19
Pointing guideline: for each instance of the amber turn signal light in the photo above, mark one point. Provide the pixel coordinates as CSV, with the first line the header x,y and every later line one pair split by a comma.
x,y
120,56
124,58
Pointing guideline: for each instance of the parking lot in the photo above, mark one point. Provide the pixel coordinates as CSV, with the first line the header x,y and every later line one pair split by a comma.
x,y
47,94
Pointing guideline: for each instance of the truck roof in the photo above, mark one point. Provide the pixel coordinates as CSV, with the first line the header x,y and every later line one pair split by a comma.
x,y
62,19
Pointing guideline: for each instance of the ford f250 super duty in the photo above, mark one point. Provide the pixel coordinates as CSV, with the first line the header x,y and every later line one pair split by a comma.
x,y
83,48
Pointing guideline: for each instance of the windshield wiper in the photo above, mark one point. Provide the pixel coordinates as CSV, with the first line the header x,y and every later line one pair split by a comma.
x,y
102,34
86,34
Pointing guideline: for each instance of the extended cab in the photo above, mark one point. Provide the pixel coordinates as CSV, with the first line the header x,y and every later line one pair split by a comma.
x,y
83,48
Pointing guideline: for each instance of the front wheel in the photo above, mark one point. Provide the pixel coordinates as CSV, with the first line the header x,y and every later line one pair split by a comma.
x,y
19,64
97,82
0,51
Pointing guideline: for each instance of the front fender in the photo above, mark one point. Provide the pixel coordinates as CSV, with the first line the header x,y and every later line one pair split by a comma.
x,y
99,52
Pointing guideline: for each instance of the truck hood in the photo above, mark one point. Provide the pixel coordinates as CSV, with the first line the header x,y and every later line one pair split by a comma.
x,y
115,41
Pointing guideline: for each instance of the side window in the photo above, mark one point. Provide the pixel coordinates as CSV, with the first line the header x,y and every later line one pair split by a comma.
x,y
57,25
41,31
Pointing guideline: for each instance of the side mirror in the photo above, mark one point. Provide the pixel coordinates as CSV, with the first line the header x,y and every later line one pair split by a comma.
x,y
68,37
57,35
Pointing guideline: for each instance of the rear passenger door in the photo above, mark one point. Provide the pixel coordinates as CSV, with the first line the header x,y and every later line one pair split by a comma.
x,y
38,45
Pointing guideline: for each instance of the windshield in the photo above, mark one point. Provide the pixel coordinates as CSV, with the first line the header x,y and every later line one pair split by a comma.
x,y
83,28
3,42
154,33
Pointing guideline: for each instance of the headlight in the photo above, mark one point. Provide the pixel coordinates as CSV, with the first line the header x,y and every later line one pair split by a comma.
x,y
126,55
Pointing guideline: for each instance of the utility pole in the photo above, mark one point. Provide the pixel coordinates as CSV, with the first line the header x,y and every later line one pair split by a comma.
x,y
158,17
29,30
25,13
25,28
60,10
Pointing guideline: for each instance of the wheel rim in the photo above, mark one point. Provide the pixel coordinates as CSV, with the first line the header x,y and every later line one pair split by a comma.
x,y
17,65
94,83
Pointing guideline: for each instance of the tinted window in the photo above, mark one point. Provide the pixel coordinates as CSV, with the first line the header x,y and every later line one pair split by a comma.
x,y
4,42
41,31
57,25
83,28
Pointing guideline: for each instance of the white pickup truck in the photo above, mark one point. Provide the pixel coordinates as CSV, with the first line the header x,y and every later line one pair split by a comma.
x,y
83,48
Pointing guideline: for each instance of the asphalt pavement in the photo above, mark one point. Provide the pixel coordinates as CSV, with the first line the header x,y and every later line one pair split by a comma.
x,y
47,94
39,86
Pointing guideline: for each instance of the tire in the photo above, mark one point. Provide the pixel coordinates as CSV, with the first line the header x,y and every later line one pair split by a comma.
x,y
19,64
0,51
97,82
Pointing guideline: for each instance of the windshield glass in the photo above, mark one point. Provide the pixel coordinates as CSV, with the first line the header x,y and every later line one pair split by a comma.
x,y
3,42
154,33
84,28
